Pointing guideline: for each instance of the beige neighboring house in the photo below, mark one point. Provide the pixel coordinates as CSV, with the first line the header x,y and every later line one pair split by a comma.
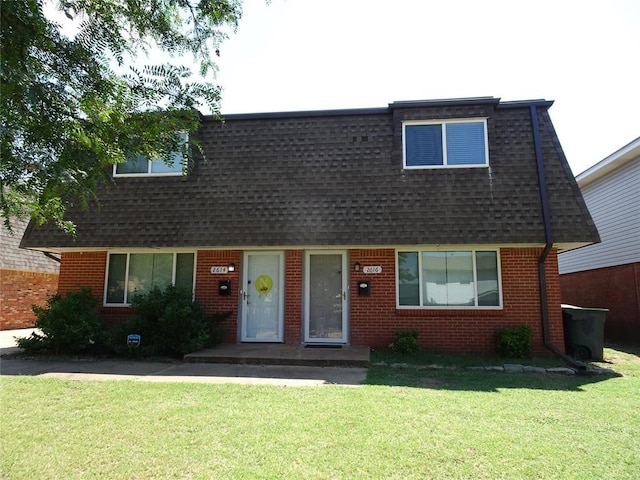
x,y
607,274
26,277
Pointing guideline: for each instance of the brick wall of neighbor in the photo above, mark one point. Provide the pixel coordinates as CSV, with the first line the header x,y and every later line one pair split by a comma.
x,y
373,318
27,278
616,288
18,291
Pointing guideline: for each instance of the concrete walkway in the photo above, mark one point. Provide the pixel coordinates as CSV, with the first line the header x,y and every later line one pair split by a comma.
x,y
8,339
283,375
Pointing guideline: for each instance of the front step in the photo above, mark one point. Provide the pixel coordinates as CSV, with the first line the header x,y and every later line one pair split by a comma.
x,y
281,354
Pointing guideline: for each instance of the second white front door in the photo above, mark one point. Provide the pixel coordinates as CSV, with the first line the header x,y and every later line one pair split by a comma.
x,y
263,297
326,297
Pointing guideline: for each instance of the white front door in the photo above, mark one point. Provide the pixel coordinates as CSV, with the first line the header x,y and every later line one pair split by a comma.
x,y
263,297
326,297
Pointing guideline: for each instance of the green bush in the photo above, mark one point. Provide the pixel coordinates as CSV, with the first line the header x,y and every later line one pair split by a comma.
x,y
169,322
406,342
69,324
514,342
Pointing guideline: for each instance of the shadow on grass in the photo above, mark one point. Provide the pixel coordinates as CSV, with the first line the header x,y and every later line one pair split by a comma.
x,y
452,372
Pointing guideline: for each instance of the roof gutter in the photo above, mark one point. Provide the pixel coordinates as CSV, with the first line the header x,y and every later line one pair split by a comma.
x,y
548,232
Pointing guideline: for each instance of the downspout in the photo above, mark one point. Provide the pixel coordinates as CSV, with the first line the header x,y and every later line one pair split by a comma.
x,y
548,232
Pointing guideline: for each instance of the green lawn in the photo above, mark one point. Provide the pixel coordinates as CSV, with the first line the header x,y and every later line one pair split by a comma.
x,y
407,423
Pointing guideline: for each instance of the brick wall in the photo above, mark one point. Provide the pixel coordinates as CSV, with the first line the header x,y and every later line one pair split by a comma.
x,y
207,287
18,291
373,318
88,269
294,291
616,288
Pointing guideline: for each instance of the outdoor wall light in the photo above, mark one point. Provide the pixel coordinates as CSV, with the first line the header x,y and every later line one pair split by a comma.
x,y
232,267
356,266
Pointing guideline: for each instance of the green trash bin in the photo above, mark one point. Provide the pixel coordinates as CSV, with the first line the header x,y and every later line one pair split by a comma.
x,y
584,331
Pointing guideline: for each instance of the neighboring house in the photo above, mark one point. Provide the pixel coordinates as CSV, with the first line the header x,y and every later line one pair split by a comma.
x,y
339,227
26,278
607,275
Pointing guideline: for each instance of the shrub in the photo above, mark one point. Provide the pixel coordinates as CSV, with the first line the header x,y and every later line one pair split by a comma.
x,y
514,342
169,322
406,342
69,324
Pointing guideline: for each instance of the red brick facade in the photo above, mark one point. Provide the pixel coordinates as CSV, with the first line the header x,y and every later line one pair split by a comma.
x,y
19,290
616,288
373,318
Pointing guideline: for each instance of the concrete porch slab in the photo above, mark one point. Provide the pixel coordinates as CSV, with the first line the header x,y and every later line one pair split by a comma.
x,y
281,354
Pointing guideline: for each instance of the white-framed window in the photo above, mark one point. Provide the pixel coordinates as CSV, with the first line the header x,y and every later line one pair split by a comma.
x,y
449,279
131,273
139,165
445,143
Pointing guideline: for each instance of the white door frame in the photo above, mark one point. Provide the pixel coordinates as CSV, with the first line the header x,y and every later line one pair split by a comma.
x,y
248,291
345,297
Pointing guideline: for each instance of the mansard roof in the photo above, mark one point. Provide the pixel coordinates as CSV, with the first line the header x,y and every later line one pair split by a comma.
x,y
336,178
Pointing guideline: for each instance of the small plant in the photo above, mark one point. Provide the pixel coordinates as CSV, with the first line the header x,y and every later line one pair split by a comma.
x,y
406,342
69,324
169,322
514,342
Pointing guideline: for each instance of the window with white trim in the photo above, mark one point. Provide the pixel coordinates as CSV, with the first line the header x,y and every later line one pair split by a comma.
x,y
453,279
451,143
131,273
140,165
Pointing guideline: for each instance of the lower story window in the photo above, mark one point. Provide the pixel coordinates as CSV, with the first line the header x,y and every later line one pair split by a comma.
x,y
448,279
131,273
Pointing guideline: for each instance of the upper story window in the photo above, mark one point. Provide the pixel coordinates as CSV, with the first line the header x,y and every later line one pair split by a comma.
x,y
143,166
451,143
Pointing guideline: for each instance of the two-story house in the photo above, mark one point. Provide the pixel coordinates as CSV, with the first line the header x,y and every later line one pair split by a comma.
x,y
341,226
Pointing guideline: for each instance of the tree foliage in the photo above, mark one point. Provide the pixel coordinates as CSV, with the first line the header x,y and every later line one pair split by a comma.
x,y
72,105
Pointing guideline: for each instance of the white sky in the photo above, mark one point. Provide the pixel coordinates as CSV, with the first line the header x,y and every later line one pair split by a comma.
x,y
333,54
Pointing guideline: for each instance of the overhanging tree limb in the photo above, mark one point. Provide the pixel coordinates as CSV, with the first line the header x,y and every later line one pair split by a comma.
x,y
67,114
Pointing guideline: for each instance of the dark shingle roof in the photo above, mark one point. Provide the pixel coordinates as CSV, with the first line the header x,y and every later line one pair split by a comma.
x,y
336,178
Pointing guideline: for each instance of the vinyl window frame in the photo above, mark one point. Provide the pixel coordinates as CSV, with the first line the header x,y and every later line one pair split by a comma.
x,y
176,156
128,253
473,251
443,123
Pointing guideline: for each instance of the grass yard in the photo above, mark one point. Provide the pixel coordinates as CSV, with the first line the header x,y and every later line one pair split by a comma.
x,y
406,423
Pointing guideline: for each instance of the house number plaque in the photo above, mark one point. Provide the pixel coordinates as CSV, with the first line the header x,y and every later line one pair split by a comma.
x,y
219,270
372,269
